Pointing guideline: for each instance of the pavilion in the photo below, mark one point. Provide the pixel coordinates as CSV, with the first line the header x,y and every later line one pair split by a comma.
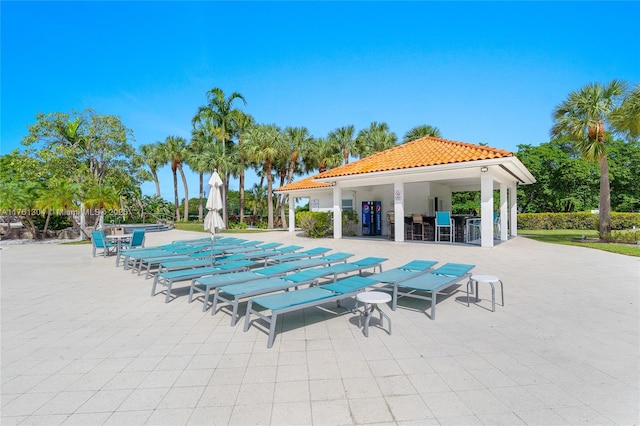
x,y
419,177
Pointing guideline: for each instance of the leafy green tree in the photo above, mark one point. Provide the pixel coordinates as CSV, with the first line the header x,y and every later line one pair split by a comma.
x,y
242,123
584,117
376,138
420,132
219,113
344,139
262,145
564,180
624,162
174,151
59,194
152,158
18,200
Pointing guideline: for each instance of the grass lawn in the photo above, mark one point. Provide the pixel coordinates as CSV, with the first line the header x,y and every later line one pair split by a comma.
x,y
572,238
199,227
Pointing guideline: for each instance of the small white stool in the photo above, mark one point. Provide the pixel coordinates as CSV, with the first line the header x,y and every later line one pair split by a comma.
x,y
491,279
373,298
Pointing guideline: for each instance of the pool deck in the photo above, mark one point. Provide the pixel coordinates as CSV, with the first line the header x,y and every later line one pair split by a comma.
x,y
84,343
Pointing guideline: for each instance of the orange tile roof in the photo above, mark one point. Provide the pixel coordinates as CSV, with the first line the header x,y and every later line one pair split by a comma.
x,y
308,183
426,151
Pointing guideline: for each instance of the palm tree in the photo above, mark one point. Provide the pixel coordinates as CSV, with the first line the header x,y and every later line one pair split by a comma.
x,y
151,157
583,116
376,138
321,155
242,123
101,197
219,113
420,132
626,119
174,151
262,145
199,160
20,196
61,195
343,138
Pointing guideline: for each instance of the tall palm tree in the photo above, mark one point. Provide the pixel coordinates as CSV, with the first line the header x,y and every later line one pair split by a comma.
x,y
321,155
219,113
151,157
242,122
343,137
201,144
376,138
174,151
262,145
584,116
420,132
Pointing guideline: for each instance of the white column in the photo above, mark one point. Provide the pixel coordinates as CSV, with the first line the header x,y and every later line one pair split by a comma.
x,y
504,210
513,197
398,210
337,212
292,213
486,209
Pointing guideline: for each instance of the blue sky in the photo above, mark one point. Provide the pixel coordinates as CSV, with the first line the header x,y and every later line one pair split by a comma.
x,y
482,72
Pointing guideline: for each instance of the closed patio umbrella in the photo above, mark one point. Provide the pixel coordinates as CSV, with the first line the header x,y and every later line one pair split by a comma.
x,y
213,220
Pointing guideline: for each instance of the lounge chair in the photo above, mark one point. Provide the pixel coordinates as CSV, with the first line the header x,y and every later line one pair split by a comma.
x,y
167,279
205,257
99,241
232,294
307,254
204,285
431,283
290,301
334,270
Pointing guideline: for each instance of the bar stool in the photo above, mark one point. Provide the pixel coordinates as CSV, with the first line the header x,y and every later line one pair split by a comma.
x,y
417,227
373,298
491,279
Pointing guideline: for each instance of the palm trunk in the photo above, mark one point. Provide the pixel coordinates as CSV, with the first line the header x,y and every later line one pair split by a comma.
x,y
46,224
201,196
605,199
241,192
269,195
186,195
175,193
157,181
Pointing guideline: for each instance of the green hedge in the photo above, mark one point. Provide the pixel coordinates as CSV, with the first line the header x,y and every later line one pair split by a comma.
x,y
580,220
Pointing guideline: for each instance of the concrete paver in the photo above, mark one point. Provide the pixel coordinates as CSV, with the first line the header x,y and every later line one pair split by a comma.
x,y
83,343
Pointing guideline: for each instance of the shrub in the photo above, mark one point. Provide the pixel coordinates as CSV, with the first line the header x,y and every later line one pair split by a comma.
x,y
578,220
315,224
238,225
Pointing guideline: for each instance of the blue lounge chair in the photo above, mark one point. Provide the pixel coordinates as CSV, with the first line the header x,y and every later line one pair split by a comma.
x,y
99,241
334,270
207,256
167,279
204,285
233,294
281,303
307,254
431,283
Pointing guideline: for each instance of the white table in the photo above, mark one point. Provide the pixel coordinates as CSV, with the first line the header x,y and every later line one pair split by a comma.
x,y
491,279
119,239
373,298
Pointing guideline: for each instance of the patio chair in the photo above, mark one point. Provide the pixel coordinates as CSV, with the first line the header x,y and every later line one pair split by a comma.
x,y
136,241
307,254
167,279
444,221
234,293
206,256
418,227
290,301
99,241
345,268
205,285
432,283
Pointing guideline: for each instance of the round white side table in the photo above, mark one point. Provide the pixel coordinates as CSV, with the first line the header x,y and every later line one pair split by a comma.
x,y
371,300
491,280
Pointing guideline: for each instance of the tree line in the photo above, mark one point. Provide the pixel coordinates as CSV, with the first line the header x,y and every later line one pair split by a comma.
x,y
88,160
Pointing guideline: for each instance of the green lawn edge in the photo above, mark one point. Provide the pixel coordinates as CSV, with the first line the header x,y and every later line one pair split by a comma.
x,y
572,237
